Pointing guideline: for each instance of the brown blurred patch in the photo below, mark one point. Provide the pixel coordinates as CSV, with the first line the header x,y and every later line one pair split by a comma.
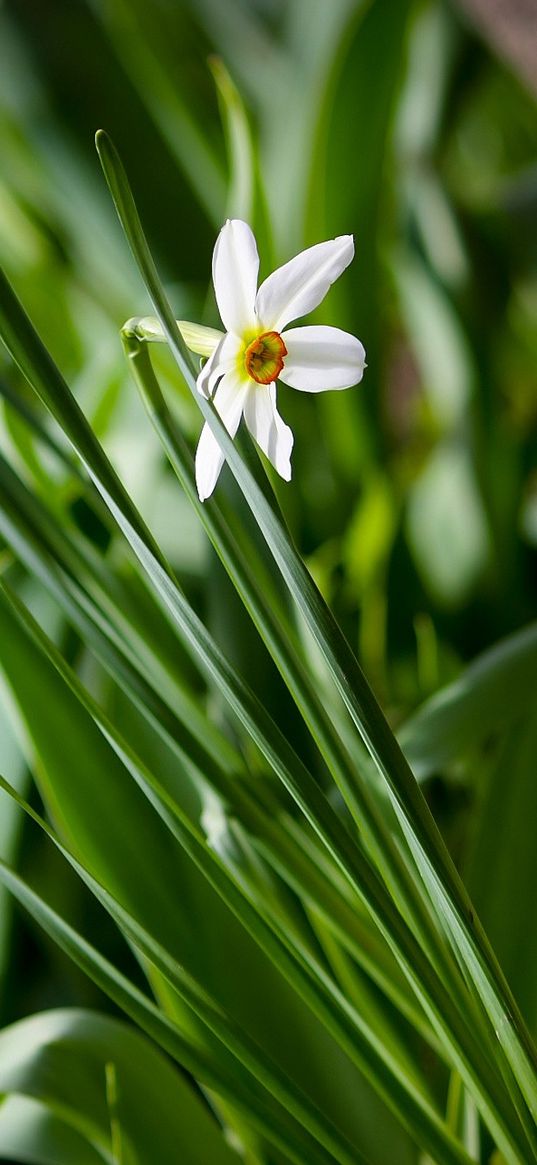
x,y
510,28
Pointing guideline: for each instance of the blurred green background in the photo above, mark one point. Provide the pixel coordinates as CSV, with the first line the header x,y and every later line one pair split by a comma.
x,y
414,126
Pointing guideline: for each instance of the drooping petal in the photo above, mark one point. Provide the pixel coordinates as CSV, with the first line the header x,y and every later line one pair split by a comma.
x,y
299,286
320,358
235,271
221,360
229,402
273,436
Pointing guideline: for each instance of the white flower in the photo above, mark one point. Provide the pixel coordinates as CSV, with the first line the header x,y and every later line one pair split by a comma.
x,y
256,350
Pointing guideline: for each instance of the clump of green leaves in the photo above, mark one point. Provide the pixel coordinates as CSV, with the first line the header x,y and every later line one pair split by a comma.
x,y
227,789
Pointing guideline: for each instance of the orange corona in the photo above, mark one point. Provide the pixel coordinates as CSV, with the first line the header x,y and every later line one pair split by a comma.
x,y
264,357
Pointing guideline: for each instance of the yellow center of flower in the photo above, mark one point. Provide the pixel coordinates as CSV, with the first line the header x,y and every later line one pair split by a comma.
x,y
263,358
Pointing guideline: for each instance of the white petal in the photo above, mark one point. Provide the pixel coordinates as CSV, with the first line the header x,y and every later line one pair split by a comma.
x,y
221,360
229,402
320,358
235,270
209,373
273,436
299,286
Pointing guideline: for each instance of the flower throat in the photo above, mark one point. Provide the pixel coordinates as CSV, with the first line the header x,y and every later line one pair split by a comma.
x,y
263,358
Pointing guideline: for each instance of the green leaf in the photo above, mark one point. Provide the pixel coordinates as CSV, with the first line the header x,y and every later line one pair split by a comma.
x,y
31,1133
59,1058
491,692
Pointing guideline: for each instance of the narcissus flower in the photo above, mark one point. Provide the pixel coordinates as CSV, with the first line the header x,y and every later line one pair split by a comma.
x,y
258,348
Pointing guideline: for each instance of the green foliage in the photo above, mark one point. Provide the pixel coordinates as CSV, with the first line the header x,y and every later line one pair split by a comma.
x,y
204,804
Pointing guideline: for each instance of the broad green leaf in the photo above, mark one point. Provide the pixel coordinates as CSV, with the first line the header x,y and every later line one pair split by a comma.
x,y
491,692
30,1132
59,1059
